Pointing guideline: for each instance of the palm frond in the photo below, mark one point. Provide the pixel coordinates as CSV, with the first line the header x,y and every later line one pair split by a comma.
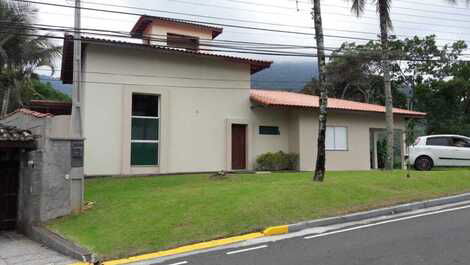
x,y
358,7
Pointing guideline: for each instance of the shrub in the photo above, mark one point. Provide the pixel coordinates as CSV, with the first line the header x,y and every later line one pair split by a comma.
x,y
277,161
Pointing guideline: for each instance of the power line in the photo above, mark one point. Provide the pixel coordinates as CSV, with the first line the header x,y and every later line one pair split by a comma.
x,y
250,52
248,21
183,78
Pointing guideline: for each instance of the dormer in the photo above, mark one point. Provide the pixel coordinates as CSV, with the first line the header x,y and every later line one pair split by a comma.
x,y
173,33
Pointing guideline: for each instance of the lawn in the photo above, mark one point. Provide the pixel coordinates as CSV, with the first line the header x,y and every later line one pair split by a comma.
x,y
141,214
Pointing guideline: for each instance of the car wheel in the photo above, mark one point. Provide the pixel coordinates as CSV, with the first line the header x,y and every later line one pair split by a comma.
x,y
423,163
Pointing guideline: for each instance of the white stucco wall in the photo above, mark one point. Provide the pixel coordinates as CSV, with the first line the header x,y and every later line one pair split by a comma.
x,y
358,124
194,112
159,30
197,110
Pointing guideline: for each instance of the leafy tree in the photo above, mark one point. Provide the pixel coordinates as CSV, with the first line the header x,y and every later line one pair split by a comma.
x,y
447,103
21,52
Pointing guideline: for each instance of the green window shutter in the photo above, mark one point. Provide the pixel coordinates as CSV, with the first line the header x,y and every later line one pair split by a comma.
x,y
144,154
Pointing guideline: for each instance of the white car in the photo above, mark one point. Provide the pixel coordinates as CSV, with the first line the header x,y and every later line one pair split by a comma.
x,y
440,151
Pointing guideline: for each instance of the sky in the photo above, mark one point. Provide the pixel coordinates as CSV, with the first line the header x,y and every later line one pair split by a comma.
x,y
410,18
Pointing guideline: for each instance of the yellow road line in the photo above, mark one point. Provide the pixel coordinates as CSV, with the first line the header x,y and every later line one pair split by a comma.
x,y
184,249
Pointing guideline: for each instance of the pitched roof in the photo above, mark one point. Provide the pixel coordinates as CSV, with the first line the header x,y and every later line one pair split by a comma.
x,y
29,112
291,99
67,56
13,134
145,21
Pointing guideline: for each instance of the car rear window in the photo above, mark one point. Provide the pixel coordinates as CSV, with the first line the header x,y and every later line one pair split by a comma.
x,y
439,141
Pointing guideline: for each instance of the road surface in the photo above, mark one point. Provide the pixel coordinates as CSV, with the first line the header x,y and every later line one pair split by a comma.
x,y
437,239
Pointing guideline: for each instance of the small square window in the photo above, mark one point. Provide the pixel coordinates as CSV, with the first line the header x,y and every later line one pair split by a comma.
x,y
269,130
336,138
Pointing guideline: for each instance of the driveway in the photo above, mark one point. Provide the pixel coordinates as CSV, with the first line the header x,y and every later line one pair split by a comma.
x,y
16,249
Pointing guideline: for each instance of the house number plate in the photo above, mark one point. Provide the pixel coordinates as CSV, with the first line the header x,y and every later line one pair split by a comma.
x,y
77,153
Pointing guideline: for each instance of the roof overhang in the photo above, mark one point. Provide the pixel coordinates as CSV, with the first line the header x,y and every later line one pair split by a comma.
x,y
67,57
144,21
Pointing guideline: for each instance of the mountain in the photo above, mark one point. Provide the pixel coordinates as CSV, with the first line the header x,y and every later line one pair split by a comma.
x,y
280,76
285,76
57,84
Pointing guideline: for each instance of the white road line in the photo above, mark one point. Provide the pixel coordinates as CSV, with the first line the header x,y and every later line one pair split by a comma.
x,y
179,263
246,249
386,222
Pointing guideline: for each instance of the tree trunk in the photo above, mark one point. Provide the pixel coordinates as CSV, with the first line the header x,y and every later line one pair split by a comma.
x,y
6,101
321,156
387,85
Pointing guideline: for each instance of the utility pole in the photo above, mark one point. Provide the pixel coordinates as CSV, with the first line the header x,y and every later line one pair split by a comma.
x,y
76,174
76,119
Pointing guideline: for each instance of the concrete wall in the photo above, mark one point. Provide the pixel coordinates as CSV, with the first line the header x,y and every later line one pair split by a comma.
x,y
357,157
45,183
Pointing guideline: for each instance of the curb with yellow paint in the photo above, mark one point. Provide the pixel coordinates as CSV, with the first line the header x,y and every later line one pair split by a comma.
x,y
275,230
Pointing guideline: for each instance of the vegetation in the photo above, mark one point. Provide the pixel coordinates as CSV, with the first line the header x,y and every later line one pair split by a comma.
x,y
21,53
447,103
139,214
45,91
277,161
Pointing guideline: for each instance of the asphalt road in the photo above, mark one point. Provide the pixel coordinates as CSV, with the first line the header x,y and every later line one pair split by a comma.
x,y
438,239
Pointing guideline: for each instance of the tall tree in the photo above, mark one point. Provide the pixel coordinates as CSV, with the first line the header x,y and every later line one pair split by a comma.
x,y
383,10
319,174
21,52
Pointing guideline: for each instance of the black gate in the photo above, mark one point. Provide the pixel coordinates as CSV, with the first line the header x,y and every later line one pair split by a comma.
x,y
9,187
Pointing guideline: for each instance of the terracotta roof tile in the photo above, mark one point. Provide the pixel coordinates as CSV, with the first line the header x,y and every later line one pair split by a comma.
x,y
291,99
29,112
13,134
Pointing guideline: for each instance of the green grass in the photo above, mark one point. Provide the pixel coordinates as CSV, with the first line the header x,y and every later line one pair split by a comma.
x,y
141,214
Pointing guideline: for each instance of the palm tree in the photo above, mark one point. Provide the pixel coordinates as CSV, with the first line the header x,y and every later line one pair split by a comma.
x,y
22,51
321,156
383,9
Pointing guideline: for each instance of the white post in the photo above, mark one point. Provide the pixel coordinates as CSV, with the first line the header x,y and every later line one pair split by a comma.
x,y
76,126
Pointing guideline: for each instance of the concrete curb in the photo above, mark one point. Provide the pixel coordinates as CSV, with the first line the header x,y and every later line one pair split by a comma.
x,y
378,212
61,245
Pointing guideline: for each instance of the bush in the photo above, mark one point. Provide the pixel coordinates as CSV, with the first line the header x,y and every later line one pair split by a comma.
x,y
277,161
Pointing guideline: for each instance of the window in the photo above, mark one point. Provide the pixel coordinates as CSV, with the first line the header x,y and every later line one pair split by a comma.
x,y
460,142
336,138
145,130
269,130
439,141
182,41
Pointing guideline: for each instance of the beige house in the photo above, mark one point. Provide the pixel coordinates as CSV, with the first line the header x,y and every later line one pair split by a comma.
x,y
165,105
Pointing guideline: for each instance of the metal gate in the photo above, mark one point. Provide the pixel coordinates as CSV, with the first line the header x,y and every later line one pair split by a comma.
x,y
9,187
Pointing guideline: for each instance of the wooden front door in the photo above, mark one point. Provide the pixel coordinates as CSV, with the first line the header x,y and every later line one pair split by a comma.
x,y
238,146
9,186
